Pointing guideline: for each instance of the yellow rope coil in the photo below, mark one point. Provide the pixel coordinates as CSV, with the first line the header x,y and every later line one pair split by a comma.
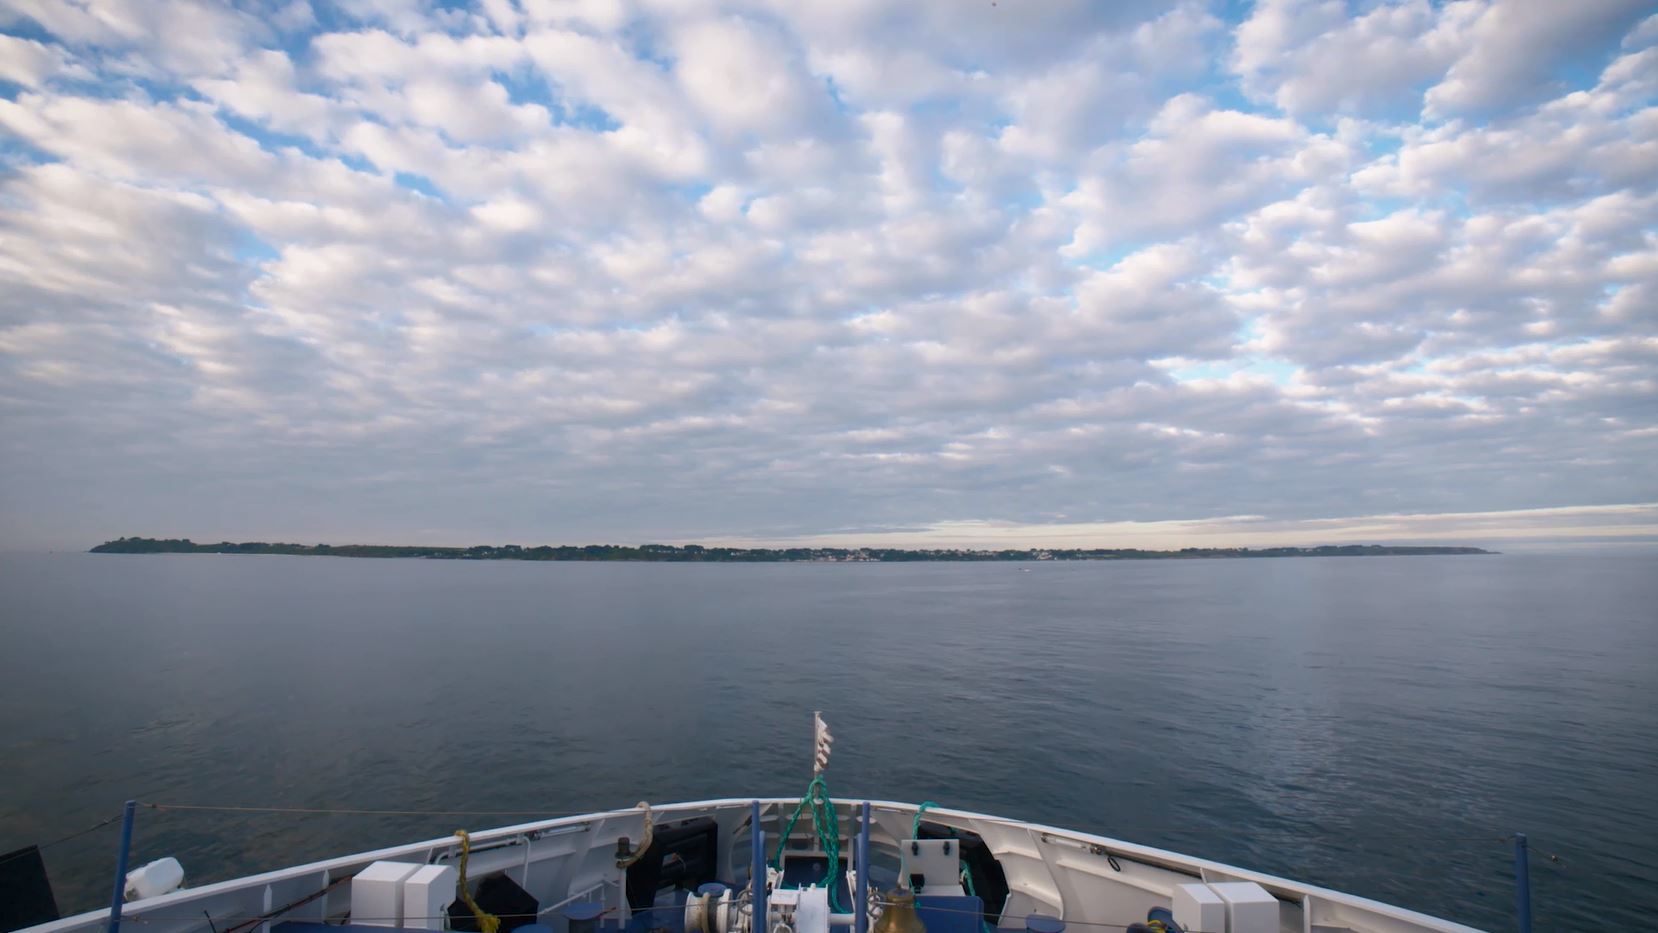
x,y
487,922
627,861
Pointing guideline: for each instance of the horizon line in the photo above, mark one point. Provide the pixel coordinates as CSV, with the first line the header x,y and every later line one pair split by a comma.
x,y
782,547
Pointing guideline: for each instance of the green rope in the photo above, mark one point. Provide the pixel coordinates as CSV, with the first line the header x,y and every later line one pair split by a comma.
x,y
788,828
915,828
827,829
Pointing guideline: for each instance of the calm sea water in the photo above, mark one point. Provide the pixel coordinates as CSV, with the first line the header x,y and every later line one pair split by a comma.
x,y
1373,724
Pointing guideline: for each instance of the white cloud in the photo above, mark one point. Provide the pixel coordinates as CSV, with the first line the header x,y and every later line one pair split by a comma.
x,y
1450,59
508,214
684,269
656,127
146,38
262,87
1638,522
138,141
1515,48
28,62
1195,165
743,78
1315,58
1581,144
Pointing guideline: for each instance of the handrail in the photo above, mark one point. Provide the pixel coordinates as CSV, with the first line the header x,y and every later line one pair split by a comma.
x,y
1149,855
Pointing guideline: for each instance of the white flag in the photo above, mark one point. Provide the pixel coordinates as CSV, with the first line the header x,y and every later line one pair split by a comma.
x,y
820,743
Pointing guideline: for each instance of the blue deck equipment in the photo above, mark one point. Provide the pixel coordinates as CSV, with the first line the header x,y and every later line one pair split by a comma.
x,y
583,916
950,913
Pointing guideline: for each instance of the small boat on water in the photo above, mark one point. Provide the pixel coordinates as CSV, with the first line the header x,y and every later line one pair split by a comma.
x,y
782,865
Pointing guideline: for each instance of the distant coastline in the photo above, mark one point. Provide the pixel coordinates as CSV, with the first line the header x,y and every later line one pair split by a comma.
x,y
696,553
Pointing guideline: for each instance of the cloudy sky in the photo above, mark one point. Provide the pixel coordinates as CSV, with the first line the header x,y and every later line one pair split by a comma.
x,y
855,271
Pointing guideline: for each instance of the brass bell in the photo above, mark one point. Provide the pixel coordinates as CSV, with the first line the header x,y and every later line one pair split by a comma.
x,y
899,915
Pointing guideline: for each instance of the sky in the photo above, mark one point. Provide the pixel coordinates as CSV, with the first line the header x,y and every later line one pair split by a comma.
x,y
943,271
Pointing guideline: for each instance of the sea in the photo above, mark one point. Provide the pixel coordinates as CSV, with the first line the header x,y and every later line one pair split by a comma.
x,y
1378,725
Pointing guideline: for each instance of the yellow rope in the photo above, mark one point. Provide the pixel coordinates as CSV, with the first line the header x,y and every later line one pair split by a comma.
x,y
627,860
487,922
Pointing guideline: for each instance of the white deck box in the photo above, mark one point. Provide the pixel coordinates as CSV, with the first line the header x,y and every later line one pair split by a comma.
x,y
1198,909
377,894
1249,907
427,895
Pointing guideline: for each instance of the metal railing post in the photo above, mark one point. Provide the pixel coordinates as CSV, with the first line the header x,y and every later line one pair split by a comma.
x,y
860,897
119,897
758,881
1522,882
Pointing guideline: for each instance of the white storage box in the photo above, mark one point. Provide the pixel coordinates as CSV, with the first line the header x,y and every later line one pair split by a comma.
x,y
427,895
937,860
377,894
1198,909
1249,907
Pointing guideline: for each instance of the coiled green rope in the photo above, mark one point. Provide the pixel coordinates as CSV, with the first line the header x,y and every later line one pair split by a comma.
x,y
827,828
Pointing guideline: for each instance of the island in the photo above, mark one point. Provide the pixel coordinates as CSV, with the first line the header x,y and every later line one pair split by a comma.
x,y
696,553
